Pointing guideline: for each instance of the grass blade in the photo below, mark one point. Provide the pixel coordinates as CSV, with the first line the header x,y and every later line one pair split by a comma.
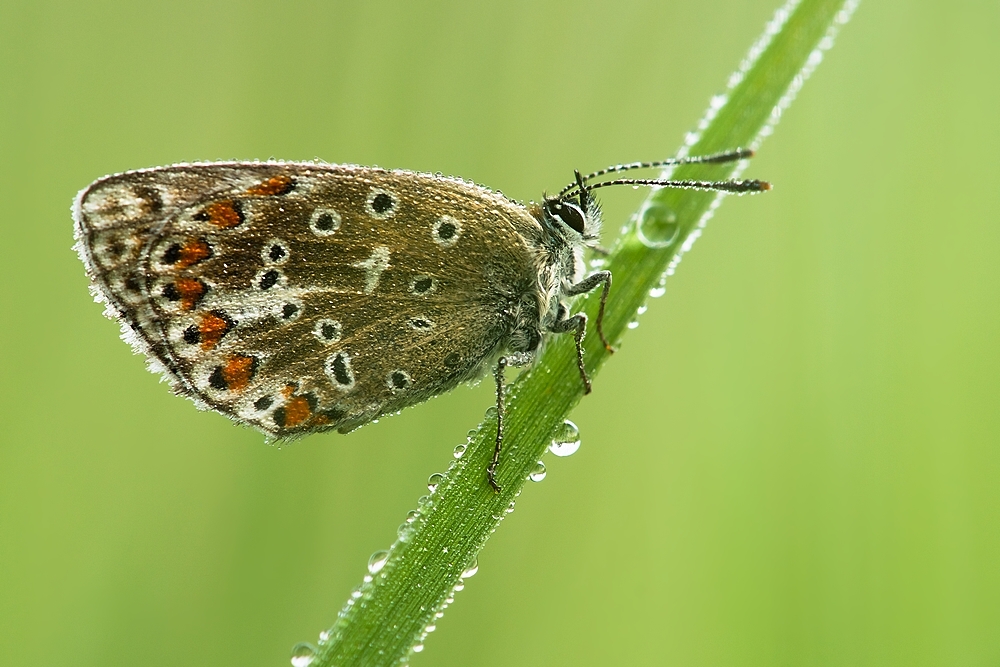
x,y
386,618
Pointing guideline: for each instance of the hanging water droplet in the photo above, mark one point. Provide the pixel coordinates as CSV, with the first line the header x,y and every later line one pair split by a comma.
x,y
460,450
418,648
491,412
642,309
411,516
634,324
471,570
459,586
658,227
303,654
660,289
403,532
434,481
537,473
430,628
439,614
324,637
566,440
377,561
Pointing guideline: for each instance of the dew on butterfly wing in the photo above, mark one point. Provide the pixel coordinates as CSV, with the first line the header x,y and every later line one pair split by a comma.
x,y
471,570
377,561
566,440
658,226
303,654
537,473
434,481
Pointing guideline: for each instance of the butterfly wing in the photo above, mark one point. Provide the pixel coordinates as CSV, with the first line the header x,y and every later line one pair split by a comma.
x,y
301,297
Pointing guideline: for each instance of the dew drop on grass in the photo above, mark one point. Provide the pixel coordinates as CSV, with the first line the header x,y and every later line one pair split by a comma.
x,y
658,226
303,654
566,440
471,570
434,481
537,473
377,561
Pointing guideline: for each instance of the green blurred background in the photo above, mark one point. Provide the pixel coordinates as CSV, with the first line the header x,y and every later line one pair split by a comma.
x,y
793,460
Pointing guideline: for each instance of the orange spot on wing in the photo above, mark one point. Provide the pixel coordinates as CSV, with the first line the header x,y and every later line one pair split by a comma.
x,y
192,252
276,185
238,371
223,214
297,410
191,291
213,326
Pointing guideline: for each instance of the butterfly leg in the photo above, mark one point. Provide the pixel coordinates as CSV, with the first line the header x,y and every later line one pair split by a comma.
x,y
577,323
491,469
589,284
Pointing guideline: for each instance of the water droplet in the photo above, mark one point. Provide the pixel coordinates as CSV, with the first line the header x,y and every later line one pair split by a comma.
x,y
439,614
460,450
471,570
324,637
430,628
356,594
473,432
411,516
418,648
491,412
658,227
377,561
303,654
459,586
537,473
566,440
434,481
642,309
634,324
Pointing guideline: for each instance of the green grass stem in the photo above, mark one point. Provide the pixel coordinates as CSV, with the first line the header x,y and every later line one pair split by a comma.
x,y
385,620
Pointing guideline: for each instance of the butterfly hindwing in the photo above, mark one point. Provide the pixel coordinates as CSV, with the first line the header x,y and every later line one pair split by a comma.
x,y
299,297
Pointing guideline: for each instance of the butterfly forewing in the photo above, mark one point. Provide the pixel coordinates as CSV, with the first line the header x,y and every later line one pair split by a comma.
x,y
300,297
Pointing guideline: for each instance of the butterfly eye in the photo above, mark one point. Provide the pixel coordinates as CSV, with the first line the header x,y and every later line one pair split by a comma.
x,y
567,213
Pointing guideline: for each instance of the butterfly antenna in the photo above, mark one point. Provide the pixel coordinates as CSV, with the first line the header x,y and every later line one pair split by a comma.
x,y
740,187
715,158
584,195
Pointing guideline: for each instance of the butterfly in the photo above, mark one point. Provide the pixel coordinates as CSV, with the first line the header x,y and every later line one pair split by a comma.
x,y
298,297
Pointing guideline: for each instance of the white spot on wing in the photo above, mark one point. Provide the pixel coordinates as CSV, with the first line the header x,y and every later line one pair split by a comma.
x,y
374,266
